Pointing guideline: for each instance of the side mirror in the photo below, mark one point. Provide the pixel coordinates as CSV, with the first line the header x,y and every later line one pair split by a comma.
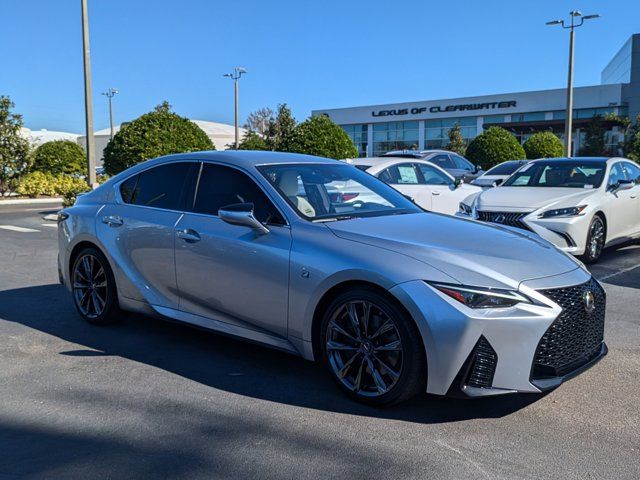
x,y
622,185
456,183
497,182
242,214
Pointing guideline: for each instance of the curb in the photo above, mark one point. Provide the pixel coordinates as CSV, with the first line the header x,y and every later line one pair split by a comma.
x,y
30,201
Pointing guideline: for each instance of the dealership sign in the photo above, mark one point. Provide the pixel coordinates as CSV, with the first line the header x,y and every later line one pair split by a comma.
x,y
442,109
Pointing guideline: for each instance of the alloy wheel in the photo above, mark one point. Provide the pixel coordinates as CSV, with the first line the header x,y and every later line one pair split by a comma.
x,y
90,286
364,348
596,238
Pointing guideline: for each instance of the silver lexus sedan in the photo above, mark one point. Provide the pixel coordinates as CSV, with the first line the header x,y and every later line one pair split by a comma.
x,y
393,300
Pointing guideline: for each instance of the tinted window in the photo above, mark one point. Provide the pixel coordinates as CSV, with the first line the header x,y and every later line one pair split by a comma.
x,y
159,187
616,174
462,163
127,187
443,161
220,186
506,168
364,168
633,171
433,176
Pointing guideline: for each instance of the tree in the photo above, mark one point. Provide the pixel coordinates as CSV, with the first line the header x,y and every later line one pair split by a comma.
x,y
281,129
456,141
543,145
320,136
594,142
156,133
632,141
14,149
260,121
253,141
493,146
59,156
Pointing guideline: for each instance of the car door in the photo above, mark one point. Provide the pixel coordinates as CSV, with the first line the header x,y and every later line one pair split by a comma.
x,y
407,179
632,172
623,205
229,272
445,197
138,230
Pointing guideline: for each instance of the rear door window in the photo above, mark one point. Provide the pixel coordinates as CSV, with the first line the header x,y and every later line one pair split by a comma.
x,y
443,161
159,187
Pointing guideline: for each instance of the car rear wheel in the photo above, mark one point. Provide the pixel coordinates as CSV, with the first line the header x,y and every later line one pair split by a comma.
x,y
595,240
372,349
94,288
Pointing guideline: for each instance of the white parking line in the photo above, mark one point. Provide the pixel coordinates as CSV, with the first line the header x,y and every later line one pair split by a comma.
x,y
54,225
13,228
619,272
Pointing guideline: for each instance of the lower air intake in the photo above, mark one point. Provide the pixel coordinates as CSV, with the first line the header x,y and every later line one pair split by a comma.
x,y
483,365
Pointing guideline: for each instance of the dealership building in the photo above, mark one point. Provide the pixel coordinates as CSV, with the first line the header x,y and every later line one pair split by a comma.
x,y
377,129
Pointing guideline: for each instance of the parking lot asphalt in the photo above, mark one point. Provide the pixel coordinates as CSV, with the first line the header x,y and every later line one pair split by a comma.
x,y
150,399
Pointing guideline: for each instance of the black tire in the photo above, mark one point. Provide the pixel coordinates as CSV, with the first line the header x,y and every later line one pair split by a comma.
x,y
95,298
596,237
408,365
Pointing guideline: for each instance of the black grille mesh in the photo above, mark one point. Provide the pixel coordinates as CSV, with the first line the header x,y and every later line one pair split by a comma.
x,y
575,336
512,219
483,365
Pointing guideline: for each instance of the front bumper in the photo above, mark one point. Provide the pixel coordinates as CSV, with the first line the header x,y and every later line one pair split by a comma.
x,y
454,338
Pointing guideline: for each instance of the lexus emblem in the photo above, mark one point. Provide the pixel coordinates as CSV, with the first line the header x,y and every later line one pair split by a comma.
x,y
499,218
589,301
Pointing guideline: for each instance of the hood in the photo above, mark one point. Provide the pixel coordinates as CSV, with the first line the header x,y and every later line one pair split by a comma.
x,y
530,198
471,252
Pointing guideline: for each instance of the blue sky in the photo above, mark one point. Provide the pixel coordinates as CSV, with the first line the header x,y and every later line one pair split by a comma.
x,y
310,55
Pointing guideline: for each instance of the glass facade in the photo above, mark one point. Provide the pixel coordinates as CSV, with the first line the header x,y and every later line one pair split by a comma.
x,y
583,113
436,132
394,136
359,136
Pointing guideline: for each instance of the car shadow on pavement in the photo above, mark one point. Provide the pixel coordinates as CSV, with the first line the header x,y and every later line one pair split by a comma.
x,y
619,266
224,363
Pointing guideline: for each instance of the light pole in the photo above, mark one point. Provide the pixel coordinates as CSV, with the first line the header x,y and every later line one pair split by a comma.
x,y
235,76
109,94
568,122
88,106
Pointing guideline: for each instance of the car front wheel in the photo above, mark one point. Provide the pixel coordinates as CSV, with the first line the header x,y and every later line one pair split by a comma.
x,y
372,348
595,240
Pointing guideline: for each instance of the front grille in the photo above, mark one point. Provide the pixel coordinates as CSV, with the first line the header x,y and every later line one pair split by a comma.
x,y
512,219
482,366
576,336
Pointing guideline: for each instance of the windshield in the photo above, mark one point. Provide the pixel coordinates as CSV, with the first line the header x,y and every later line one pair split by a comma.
x,y
563,173
335,192
506,168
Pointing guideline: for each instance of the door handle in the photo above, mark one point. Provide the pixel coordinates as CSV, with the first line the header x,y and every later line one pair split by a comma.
x,y
435,193
113,221
188,235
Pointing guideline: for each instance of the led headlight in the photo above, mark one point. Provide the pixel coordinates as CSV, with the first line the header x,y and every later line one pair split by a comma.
x,y
564,212
465,209
478,297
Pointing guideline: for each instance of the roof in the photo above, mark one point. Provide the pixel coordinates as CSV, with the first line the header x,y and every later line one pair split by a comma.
x,y
246,158
212,129
38,137
573,159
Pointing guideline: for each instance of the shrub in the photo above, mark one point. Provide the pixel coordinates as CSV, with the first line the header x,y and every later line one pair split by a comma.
x,y
35,184
594,141
252,141
156,133
69,188
456,141
59,156
495,145
543,145
320,136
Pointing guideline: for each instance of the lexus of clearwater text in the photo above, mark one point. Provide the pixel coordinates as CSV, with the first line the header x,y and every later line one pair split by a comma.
x,y
391,299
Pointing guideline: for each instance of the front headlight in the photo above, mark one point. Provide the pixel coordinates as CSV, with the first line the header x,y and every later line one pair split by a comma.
x,y
465,209
479,297
563,212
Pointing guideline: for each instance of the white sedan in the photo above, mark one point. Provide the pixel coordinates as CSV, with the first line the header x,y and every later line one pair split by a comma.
x,y
430,186
581,205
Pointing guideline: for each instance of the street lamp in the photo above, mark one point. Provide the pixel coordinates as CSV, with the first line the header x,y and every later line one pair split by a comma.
x,y
235,76
568,123
88,105
109,94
